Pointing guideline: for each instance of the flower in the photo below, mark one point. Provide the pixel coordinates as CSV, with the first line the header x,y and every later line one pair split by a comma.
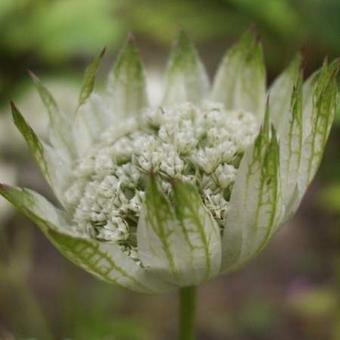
x,y
169,196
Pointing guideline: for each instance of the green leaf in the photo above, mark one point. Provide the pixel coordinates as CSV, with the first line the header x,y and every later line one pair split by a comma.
x,y
89,79
104,260
180,242
59,123
240,82
126,86
256,207
186,77
281,90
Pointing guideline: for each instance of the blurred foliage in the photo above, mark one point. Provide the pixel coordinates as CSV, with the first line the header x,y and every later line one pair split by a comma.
x,y
15,293
50,34
92,311
212,19
318,310
57,30
329,197
315,303
96,314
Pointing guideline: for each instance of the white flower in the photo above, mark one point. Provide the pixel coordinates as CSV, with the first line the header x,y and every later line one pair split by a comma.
x,y
155,198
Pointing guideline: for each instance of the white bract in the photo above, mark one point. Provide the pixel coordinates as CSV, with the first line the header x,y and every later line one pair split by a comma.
x,y
12,143
10,140
158,197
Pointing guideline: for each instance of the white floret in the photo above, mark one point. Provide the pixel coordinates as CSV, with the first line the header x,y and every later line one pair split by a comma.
x,y
198,145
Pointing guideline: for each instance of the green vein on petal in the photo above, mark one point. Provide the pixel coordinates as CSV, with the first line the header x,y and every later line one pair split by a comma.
x,y
127,86
240,82
104,260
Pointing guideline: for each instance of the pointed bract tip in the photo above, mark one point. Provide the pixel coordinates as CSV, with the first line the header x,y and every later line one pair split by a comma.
x,y
273,132
335,67
130,43
249,47
254,32
325,61
297,63
181,34
4,188
250,37
14,109
13,106
183,50
182,39
102,52
33,76
129,49
274,141
266,120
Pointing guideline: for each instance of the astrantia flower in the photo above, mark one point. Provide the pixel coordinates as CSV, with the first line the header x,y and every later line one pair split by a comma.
x,y
170,196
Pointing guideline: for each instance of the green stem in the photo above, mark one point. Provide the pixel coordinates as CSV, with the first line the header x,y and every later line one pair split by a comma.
x,y
187,309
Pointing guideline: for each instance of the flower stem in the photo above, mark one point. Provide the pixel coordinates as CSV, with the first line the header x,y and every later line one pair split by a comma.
x,y
187,309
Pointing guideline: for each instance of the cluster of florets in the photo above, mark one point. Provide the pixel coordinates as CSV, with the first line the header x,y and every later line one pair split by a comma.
x,y
200,145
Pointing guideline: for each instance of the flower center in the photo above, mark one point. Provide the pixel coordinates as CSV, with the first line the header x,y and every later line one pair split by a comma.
x,y
200,145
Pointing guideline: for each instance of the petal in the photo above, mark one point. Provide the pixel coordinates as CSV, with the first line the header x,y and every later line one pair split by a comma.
x,y
186,77
90,118
60,135
53,166
318,115
108,263
180,243
291,139
126,86
255,205
240,82
89,79
281,90
200,231
103,260
38,209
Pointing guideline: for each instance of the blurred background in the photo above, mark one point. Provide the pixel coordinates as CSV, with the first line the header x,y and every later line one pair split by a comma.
x,y
291,291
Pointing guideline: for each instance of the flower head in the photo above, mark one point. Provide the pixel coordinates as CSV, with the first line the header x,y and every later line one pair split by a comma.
x,y
156,197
